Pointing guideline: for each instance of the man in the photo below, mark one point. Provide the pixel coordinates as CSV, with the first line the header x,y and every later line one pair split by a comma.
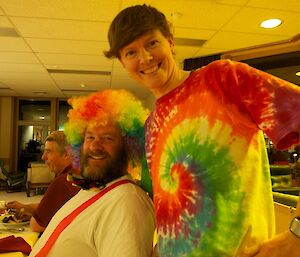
x,y
204,142
58,158
108,128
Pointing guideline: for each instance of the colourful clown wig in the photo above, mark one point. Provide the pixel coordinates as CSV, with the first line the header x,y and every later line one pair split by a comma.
x,y
97,109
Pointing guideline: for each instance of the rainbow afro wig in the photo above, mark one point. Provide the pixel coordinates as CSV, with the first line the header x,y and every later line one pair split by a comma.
x,y
97,109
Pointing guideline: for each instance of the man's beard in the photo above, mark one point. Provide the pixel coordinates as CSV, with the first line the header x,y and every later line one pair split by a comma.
x,y
114,167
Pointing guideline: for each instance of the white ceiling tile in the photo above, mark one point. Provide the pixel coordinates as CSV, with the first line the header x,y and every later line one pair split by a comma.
x,y
4,22
182,52
28,87
235,40
193,33
240,23
195,14
24,75
29,84
69,59
79,67
18,57
61,29
290,5
233,2
67,46
13,44
89,85
16,67
119,82
72,93
103,10
80,78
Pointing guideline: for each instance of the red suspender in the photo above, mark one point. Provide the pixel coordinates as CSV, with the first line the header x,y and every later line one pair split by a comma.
x,y
68,219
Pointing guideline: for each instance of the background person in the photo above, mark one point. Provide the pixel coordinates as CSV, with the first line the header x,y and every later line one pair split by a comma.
x,y
204,141
107,127
58,158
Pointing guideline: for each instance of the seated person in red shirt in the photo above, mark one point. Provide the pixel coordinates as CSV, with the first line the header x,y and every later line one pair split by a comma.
x,y
58,159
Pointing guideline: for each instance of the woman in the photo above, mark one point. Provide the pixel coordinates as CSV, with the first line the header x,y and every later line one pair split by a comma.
x,y
204,142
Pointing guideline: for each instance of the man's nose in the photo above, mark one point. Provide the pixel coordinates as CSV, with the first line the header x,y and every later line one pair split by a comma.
x,y
97,144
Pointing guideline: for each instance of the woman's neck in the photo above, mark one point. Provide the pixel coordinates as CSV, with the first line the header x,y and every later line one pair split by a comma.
x,y
177,78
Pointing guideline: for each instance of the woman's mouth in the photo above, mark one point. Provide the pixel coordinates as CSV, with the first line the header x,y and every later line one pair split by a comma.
x,y
151,70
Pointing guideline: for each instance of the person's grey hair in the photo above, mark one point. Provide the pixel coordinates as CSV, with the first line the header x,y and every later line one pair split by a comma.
x,y
60,138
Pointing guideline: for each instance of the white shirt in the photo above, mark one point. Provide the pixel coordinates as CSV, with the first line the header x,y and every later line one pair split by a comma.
x,y
119,224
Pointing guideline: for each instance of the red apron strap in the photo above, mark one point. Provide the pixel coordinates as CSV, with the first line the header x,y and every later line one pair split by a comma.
x,y
68,219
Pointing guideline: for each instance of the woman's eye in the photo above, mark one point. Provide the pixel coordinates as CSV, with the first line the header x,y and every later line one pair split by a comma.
x,y
153,43
130,53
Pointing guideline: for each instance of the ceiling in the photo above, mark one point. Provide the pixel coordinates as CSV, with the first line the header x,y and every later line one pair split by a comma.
x,y
52,48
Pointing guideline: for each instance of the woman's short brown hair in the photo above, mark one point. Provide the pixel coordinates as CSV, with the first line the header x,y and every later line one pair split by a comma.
x,y
132,23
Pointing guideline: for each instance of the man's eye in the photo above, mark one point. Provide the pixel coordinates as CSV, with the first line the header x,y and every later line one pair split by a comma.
x,y
107,139
88,138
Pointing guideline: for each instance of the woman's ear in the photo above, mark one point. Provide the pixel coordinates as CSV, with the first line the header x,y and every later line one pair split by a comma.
x,y
172,44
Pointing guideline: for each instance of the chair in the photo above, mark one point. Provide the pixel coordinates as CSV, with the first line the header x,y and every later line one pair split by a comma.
x,y
281,176
38,177
15,180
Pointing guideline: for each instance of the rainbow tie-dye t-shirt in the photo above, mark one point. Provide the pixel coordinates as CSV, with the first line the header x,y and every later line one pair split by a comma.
x,y
208,161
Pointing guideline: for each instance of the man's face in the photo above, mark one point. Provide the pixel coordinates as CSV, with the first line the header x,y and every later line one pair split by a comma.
x,y
103,155
55,160
149,60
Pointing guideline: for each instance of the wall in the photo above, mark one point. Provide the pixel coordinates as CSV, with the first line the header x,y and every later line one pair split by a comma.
x,y
6,129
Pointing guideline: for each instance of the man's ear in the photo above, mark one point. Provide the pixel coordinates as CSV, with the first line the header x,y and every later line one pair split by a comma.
x,y
68,153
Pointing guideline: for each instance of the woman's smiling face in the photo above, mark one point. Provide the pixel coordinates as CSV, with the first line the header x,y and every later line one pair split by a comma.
x,y
149,60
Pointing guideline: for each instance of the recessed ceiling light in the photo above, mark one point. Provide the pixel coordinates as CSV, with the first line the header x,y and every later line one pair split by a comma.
x,y
298,73
271,23
82,85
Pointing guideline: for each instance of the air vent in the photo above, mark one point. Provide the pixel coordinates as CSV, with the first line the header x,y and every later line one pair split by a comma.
x,y
78,90
188,41
8,32
40,93
88,72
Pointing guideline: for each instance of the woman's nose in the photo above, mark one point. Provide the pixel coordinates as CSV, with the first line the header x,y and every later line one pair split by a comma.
x,y
145,56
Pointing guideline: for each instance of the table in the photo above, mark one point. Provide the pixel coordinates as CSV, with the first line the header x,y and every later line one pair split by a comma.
x,y
29,236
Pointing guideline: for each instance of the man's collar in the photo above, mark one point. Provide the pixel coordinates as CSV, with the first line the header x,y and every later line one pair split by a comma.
x,y
88,184
67,169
